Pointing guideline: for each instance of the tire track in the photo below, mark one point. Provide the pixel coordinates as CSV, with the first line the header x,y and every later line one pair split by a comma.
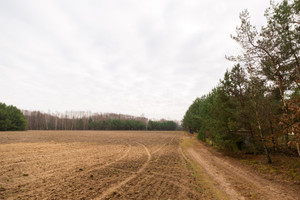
x,y
96,166
112,162
177,182
151,179
211,170
115,187
256,183
162,146
181,152
168,177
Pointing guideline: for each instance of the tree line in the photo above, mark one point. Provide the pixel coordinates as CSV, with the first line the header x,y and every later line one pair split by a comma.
x,y
256,106
81,120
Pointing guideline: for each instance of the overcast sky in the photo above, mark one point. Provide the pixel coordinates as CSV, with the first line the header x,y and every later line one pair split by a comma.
x,y
132,57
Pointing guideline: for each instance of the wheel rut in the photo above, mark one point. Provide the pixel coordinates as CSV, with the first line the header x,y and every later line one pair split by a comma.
x,y
116,160
236,181
115,187
162,146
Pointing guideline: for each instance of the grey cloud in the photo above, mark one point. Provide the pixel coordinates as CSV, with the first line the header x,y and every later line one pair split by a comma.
x,y
132,57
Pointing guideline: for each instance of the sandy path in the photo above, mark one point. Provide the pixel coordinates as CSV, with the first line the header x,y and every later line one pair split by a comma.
x,y
237,181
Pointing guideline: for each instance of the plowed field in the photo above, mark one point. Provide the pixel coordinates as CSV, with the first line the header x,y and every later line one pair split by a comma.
x,y
96,165
126,165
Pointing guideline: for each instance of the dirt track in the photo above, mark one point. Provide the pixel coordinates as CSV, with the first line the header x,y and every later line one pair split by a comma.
x,y
121,165
237,181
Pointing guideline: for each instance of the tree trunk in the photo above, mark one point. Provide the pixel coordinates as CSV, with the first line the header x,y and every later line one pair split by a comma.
x,y
257,117
298,147
261,134
284,104
273,136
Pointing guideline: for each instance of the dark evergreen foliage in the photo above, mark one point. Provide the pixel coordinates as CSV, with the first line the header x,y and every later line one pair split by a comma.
x,y
116,124
162,125
255,107
11,118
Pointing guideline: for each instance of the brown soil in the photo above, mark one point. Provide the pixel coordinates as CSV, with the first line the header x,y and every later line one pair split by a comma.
x,y
95,165
123,165
237,180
